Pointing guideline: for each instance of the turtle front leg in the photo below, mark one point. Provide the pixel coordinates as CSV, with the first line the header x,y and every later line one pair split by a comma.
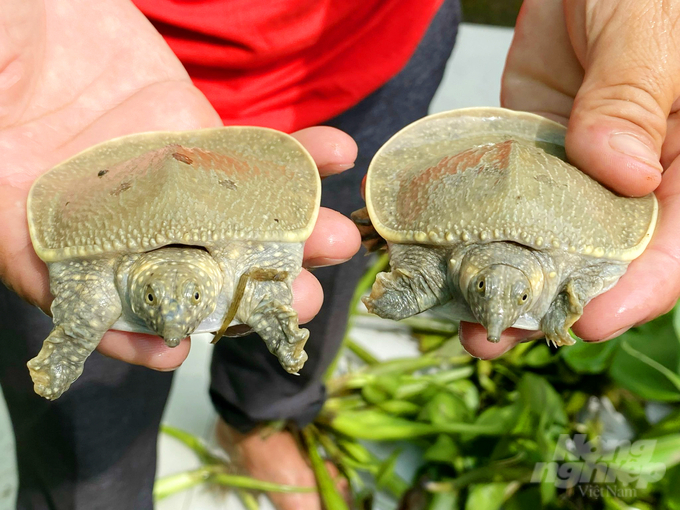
x,y
567,307
416,283
266,307
86,304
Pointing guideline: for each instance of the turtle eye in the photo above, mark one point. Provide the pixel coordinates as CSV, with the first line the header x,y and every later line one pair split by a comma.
x,y
481,285
523,298
192,293
150,297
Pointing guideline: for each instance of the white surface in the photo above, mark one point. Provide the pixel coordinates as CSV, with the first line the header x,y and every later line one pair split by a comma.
x,y
8,477
473,75
472,79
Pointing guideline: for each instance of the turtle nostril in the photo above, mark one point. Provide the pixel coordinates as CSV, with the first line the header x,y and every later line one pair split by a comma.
x,y
172,342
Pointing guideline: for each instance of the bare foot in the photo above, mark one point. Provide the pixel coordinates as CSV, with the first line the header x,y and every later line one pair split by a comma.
x,y
275,457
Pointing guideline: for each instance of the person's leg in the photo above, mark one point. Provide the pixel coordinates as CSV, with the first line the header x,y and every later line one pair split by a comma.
x,y
95,447
248,385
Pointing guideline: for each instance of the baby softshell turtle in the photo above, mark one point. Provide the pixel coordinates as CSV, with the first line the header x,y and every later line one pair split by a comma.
x,y
173,233
482,215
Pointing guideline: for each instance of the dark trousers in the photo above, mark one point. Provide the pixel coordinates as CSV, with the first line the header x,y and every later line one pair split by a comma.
x,y
95,447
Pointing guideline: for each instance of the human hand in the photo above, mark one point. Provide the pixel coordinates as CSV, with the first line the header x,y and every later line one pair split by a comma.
x,y
75,73
610,71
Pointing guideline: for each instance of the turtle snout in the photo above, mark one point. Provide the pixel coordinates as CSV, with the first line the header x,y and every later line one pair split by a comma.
x,y
176,322
493,332
495,322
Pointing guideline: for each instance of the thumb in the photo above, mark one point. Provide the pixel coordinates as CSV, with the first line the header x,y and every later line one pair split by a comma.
x,y
629,51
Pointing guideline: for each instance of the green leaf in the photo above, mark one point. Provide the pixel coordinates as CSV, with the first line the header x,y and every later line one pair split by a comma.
x,y
399,407
676,327
467,390
429,342
589,357
489,496
642,374
669,374
375,425
444,408
527,498
374,394
501,419
541,398
444,449
539,356
647,361
666,451
386,469
668,425
443,501
672,492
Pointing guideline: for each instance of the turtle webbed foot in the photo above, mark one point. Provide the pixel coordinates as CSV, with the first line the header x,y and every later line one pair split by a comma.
x,y
399,294
277,324
564,311
53,369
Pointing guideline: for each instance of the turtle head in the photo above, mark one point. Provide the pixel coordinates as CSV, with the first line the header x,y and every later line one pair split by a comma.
x,y
498,294
173,290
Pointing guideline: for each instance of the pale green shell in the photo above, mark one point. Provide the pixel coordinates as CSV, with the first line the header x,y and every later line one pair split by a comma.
x,y
490,174
205,187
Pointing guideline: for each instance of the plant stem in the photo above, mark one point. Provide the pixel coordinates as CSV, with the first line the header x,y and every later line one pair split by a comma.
x,y
362,287
171,484
331,497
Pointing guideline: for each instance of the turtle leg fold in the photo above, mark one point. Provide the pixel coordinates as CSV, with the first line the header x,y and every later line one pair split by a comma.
x,y
86,304
417,282
567,307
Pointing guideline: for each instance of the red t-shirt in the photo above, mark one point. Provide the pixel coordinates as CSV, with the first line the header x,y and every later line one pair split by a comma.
x,y
289,64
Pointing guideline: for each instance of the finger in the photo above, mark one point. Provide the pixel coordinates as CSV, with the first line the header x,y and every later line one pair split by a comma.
x,y
20,268
542,74
632,76
307,296
333,150
473,339
651,285
147,350
671,146
335,239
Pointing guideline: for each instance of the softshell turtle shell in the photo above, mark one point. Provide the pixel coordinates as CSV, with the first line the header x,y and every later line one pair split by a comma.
x,y
173,233
201,188
464,197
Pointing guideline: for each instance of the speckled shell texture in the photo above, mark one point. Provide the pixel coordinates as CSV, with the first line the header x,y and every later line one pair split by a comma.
x,y
489,174
203,188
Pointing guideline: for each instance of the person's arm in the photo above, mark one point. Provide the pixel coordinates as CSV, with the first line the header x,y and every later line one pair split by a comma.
x,y
74,73
610,71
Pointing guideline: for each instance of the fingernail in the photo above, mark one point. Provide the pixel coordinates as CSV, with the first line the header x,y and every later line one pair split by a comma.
x,y
323,262
617,333
172,369
632,146
338,167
